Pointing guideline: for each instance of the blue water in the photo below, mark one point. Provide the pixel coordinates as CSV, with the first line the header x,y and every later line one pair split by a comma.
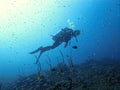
x,y
26,25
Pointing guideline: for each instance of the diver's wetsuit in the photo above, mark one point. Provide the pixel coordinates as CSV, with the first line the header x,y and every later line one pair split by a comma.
x,y
59,38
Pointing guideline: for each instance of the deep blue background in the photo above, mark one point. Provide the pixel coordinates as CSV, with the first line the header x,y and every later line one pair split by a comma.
x,y
98,21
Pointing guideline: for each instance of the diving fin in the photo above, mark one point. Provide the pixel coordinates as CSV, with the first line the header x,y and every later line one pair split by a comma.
x,y
35,51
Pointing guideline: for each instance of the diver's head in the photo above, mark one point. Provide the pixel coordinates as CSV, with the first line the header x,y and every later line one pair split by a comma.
x,y
77,32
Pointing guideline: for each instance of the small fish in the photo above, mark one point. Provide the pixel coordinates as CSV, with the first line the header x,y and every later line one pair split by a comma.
x,y
74,47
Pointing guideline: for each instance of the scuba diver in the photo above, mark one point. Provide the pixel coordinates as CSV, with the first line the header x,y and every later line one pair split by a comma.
x,y
64,35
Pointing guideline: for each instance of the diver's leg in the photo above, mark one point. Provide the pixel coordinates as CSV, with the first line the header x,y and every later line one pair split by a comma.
x,y
55,44
44,49
35,51
47,48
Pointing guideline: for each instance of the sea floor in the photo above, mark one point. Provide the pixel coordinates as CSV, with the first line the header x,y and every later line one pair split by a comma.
x,y
90,75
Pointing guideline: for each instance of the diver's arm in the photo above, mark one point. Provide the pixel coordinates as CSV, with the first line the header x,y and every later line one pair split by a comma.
x,y
66,44
76,39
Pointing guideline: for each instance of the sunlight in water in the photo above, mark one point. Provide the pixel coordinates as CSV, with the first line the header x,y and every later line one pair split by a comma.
x,y
18,17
